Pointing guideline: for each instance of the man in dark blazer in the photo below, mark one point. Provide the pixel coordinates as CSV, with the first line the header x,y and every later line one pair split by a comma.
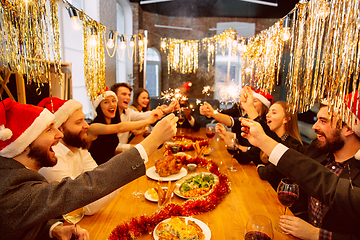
x,y
335,188
28,203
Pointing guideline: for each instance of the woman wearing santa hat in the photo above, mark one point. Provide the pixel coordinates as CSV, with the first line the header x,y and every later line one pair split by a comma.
x,y
106,125
254,104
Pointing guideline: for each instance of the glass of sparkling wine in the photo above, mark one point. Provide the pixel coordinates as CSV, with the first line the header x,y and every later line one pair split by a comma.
x,y
74,217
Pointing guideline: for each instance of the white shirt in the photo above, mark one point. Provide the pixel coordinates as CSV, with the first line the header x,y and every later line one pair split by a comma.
x,y
277,153
127,116
72,164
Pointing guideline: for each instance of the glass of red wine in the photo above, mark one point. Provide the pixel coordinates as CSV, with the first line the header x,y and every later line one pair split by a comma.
x,y
288,193
258,227
210,133
232,147
181,120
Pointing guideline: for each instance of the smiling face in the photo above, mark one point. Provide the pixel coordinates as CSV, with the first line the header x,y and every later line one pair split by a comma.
x,y
328,136
108,107
143,99
41,148
124,97
75,131
276,119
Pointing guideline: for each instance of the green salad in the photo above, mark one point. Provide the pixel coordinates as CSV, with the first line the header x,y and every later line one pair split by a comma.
x,y
198,181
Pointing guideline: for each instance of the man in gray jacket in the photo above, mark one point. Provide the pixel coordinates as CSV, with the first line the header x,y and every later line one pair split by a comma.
x,y
28,203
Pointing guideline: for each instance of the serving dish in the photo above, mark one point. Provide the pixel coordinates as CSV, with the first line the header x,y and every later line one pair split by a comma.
x,y
183,180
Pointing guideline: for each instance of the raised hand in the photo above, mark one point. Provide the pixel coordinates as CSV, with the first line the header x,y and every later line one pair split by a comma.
x,y
61,232
206,110
247,102
165,129
187,112
155,115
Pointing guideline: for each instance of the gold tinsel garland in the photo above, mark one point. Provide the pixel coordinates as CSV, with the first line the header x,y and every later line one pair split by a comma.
x,y
25,38
183,55
324,55
94,58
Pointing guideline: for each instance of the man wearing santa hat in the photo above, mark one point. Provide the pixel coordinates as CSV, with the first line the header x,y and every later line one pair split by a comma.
x,y
334,190
28,202
73,157
123,93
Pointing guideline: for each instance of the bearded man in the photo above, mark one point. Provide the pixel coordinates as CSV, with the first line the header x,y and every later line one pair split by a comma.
x,y
72,151
333,189
29,203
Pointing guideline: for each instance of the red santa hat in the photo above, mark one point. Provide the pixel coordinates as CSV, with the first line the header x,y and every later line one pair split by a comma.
x,y
187,85
264,97
102,96
62,109
20,125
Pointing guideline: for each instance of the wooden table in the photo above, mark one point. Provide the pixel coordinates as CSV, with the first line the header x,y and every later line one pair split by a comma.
x,y
249,195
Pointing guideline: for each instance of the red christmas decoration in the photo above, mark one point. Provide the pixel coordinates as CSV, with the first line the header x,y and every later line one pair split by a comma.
x,y
144,224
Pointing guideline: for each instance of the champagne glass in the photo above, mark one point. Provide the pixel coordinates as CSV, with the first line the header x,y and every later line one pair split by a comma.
x,y
232,147
138,193
288,193
74,217
210,133
181,120
258,227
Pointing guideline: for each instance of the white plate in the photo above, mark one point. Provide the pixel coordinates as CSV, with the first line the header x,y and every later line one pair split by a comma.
x,y
155,176
148,196
181,181
203,226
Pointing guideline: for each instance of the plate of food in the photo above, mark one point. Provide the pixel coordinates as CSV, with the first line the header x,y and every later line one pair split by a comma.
x,y
182,228
196,185
207,151
167,168
151,173
152,195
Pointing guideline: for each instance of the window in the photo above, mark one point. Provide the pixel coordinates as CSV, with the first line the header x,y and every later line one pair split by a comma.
x,y
153,68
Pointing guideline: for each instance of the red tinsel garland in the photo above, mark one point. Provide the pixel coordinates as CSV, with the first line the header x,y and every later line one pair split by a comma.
x,y
138,226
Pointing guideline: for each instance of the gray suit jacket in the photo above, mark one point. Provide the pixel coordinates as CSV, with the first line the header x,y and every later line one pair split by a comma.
x,y
28,203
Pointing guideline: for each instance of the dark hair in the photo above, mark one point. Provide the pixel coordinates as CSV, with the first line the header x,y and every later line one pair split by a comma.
x,y
136,96
115,87
100,118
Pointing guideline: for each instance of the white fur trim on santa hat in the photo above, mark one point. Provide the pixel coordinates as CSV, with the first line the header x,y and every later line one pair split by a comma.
x,y
29,135
65,111
5,133
262,99
101,97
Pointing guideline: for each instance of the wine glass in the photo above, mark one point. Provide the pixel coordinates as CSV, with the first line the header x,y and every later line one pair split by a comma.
x,y
74,217
181,120
232,147
258,227
288,193
210,133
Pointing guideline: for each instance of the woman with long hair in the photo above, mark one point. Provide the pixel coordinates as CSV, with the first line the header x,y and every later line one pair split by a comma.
x,y
141,101
106,125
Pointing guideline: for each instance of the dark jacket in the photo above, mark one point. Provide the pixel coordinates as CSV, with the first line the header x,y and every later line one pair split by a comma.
x,y
28,203
342,211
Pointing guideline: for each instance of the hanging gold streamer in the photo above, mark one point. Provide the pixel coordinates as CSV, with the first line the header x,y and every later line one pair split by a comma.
x,y
94,58
25,38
